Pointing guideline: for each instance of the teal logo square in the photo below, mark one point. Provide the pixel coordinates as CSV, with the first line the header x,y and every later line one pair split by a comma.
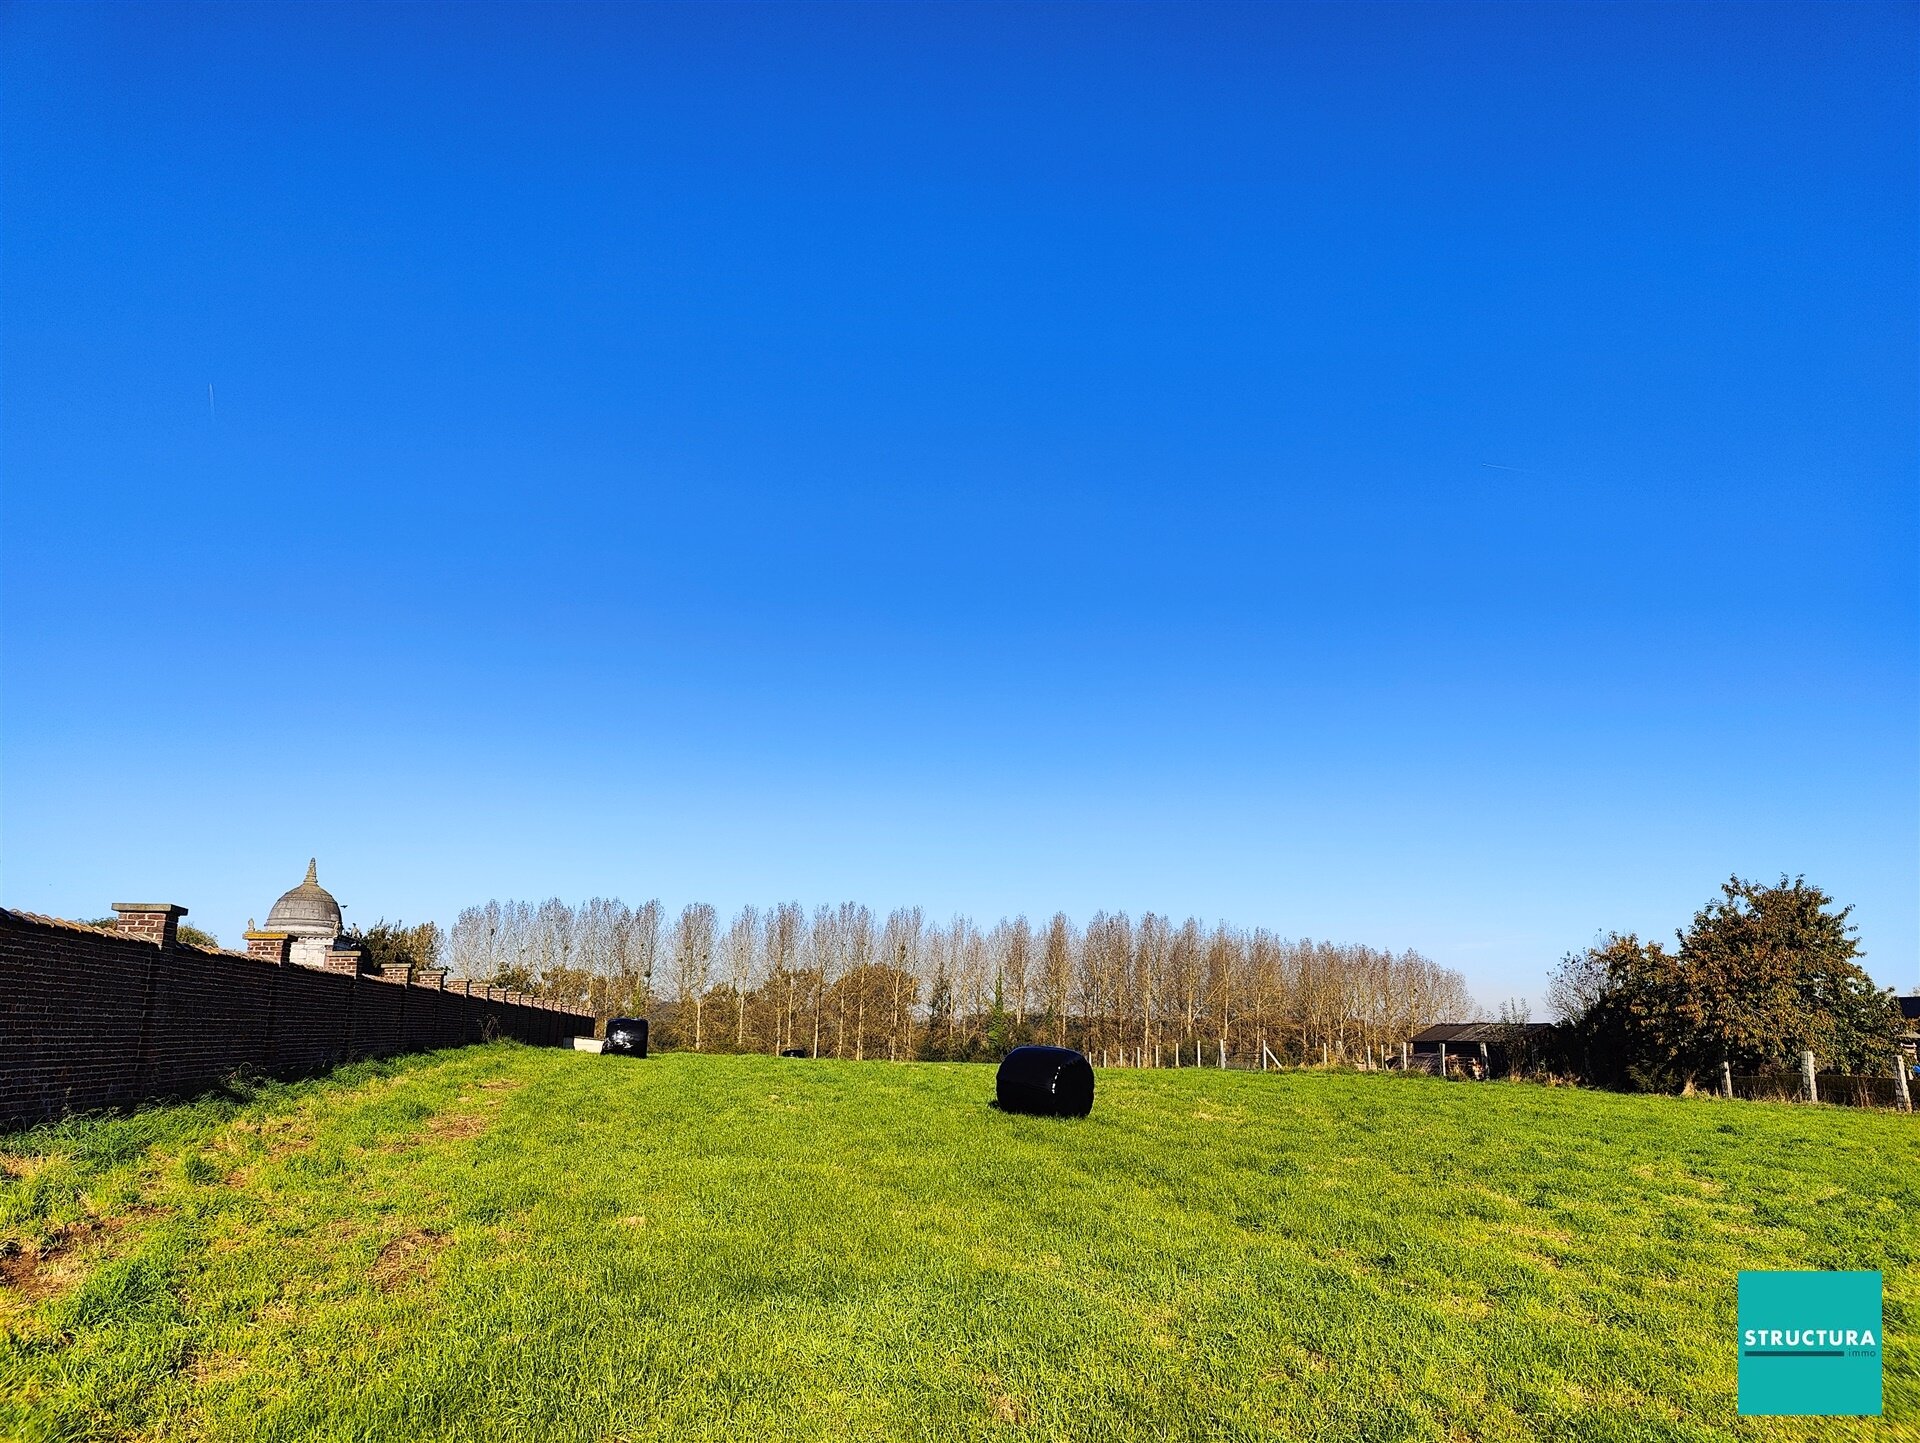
x,y
1810,1343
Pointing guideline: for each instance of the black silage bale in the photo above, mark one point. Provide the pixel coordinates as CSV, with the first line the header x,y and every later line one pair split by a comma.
x,y
1045,1082
627,1036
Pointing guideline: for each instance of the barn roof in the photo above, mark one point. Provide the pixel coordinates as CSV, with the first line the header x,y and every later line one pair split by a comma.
x,y
1474,1031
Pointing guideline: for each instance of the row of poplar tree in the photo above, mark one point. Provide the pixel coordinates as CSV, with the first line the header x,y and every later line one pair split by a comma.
x,y
841,982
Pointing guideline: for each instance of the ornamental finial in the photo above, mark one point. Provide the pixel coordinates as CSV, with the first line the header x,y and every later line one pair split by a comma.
x,y
313,874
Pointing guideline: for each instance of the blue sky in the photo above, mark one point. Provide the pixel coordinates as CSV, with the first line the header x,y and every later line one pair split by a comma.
x,y
1432,476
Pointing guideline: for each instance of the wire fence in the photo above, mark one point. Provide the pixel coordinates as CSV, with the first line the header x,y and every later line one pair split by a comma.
x,y
1845,1089
1889,1090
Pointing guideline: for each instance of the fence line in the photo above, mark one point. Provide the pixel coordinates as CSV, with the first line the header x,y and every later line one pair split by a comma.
x,y
1806,1083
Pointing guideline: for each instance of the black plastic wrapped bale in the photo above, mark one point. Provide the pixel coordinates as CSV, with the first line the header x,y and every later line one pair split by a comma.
x,y
627,1036
1046,1082
796,1052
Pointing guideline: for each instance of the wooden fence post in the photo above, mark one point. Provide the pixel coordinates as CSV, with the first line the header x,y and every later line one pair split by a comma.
x,y
1223,1053
1901,1094
1443,1062
1808,1087
1406,1057
1726,1078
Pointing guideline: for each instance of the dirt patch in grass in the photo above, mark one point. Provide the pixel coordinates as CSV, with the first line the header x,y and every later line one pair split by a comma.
x,y
457,1125
60,1260
407,1258
444,1127
33,1273
20,1273
216,1367
261,1143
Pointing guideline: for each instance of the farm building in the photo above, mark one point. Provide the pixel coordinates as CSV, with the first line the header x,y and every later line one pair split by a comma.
x,y
1486,1047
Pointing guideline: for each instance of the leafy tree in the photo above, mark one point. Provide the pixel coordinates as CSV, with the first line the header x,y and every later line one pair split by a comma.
x,y
1613,1003
1769,972
1762,974
387,943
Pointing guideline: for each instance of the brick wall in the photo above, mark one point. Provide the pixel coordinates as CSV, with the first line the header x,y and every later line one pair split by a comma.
x,y
91,1018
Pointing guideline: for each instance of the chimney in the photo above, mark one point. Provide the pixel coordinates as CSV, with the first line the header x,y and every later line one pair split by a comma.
x,y
156,922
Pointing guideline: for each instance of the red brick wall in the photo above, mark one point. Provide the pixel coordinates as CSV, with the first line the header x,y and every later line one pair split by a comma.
x,y
92,1019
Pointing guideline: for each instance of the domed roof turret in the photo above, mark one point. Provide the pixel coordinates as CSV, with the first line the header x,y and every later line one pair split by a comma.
x,y
307,911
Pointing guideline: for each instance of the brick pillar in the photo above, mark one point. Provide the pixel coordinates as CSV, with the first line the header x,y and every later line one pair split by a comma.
x,y
344,959
434,977
157,922
400,972
270,946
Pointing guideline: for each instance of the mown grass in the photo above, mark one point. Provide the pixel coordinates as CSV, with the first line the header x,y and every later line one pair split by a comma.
x,y
508,1243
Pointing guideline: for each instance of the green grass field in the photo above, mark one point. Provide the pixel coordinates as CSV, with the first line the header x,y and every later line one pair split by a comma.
x,y
513,1243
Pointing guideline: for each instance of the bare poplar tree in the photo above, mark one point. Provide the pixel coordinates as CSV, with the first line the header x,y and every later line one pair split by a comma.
x,y
972,981
785,928
474,945
1152,944
642,954
742,949
900,945
1056,970
1092,977
552,938
856,942
1116,987
1014,954
1185,975
693,960
823,943
1225,964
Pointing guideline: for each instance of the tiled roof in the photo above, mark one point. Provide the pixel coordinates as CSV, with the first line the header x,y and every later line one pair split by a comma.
x,y
40,920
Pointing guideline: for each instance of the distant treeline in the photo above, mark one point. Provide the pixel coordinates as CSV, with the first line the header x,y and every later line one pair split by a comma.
x,y
840,982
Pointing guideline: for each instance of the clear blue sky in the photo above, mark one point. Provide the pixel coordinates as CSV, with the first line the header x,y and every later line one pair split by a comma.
x,y
1431,476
